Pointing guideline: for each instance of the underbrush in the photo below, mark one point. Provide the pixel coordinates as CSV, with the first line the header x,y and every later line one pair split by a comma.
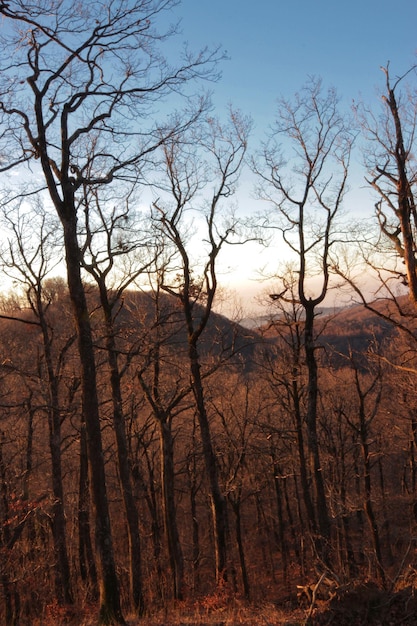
x,y
357,603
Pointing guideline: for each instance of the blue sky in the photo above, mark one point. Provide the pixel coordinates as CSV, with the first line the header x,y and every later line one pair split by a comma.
x,y
274,46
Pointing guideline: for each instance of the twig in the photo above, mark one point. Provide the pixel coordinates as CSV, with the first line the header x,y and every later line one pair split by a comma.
x,y
313,598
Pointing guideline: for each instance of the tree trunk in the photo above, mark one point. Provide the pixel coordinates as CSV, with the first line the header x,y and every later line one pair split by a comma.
x,y
369,510
108,582
218,502
406,202
294,535
4,541
349,560
62,567
278,498
125,474
59,534
148,488
312,440
302,533
169,510
308,502
236,505
86,556
193,490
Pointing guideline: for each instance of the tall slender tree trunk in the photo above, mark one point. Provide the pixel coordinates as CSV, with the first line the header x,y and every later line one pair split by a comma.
x,y
294,534
305,486
349,562
110,610
169,510
193,490
218,501
280,515
147,487
312,439
86,557
406,208
368,506
62,568
125,474
236,506
10,617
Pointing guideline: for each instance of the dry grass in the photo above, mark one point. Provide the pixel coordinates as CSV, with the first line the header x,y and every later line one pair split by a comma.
x,y
354,604
265,615
203,613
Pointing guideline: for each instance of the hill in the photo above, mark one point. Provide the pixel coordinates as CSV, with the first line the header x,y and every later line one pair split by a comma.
x,y
352,329
222,338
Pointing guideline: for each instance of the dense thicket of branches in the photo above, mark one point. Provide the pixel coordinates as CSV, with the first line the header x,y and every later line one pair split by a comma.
x,y
256,399
150,449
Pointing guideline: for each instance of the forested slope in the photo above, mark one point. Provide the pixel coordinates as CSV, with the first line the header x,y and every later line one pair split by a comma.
x,y
257,426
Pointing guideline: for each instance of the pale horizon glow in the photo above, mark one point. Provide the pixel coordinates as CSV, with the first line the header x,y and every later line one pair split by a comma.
x,y
273,48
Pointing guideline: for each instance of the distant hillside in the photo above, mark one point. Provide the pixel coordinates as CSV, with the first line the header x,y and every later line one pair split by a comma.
x,y
135,323
222,337
354,328
338,331
260,321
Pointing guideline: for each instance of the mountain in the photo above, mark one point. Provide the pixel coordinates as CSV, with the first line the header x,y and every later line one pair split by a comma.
x,y
351,329
355,328
222,338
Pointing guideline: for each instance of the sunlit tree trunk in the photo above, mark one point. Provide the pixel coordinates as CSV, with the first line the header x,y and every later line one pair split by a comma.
x,y
218,501
368,506
169,510
311,421
86,557
124,466
108,580
280,516
193,487
62,567
304,475
365,416
236,503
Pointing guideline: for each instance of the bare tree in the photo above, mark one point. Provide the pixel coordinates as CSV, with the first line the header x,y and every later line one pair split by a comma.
x,y
390,159
211,162
390,162
305,179
285,373
110,246
368,390
165,388
28,261
77,86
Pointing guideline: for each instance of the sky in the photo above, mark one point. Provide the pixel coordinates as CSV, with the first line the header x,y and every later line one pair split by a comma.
x,y
274,46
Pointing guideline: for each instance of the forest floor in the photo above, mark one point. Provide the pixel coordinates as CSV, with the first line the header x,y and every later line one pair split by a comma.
x,y
363,605
353,605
